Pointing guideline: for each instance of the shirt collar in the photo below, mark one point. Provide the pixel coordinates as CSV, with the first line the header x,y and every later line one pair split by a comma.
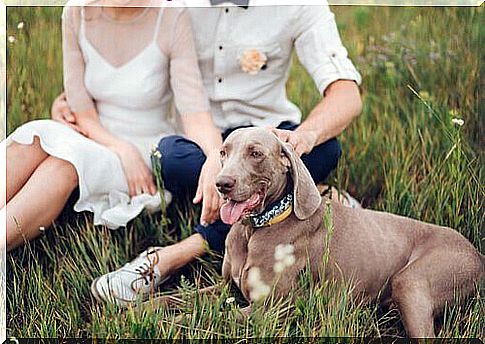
x,y
239,3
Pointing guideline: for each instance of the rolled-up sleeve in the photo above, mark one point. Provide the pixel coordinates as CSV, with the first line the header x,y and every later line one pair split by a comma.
x,y
320,49
77,95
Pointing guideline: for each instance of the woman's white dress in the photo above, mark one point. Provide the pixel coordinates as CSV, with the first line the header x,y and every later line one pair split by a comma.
x,y
132,105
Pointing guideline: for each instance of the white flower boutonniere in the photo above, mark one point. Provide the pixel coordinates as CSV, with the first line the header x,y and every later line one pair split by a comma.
x,y
252,61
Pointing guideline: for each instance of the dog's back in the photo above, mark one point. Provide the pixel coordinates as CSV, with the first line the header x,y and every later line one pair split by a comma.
x,y
372,246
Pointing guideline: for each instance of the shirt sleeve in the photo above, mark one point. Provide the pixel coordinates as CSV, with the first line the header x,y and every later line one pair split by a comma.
x,y
320,49
77,95
185,77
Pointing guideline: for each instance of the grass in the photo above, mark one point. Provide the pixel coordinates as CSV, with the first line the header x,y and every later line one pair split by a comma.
x,y
420,67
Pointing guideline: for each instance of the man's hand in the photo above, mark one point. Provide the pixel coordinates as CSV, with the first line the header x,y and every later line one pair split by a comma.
x,y
61,112
207,192
302,141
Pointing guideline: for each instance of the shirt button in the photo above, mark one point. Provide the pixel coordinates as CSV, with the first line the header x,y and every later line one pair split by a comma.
x,y
227,10
219,80
220,47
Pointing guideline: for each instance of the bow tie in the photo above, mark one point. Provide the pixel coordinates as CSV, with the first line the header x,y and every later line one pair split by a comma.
x,y
241,3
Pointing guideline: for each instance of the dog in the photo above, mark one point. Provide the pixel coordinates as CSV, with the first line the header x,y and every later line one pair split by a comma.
x,y
273,204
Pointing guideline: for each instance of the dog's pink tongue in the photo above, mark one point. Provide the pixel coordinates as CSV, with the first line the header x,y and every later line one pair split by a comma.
x,y
231,211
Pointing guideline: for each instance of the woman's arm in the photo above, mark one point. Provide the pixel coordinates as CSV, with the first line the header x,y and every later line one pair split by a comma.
x,y
86,118
138,175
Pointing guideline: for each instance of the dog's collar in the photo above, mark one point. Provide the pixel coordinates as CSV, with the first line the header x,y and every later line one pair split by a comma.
x,y
274,213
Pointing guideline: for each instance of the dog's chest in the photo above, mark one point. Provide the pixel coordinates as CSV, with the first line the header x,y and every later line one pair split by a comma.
x,y
251,254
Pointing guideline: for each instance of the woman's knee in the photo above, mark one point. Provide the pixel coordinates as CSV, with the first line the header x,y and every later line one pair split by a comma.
x,y
63,171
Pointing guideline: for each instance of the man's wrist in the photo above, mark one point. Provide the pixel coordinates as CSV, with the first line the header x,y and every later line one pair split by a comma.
x,y
313,134
213,154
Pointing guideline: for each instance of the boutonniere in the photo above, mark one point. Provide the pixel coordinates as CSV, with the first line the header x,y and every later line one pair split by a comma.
x,y
252,61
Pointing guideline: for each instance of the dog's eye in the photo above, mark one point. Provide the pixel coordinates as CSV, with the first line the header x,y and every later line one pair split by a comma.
x,y
256,154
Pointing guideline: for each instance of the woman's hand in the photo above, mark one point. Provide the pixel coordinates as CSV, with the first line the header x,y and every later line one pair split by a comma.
x,y
137,173
207,192
61,112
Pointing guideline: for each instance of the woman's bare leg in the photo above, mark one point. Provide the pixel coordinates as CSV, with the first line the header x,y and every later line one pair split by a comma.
x,y
40,201
22,160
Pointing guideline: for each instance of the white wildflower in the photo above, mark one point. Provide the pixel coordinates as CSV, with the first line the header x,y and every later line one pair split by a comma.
x,y
254,276
42,229
282,250
230,300
278,267
289,260
155,152
284,257
458,121
258,289
20,25
12,39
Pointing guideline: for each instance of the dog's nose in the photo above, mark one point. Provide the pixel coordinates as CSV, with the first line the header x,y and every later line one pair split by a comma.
x,y
225,184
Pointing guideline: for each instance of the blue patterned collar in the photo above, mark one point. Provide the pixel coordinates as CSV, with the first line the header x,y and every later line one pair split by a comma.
x,y
274,213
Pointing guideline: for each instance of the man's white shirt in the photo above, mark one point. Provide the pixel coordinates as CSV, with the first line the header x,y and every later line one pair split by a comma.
x,y
224,33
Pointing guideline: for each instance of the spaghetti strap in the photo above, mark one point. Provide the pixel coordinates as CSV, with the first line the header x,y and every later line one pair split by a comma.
x,y
157,25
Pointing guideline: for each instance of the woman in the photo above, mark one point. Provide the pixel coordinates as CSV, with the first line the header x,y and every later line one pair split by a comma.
x,y
121,65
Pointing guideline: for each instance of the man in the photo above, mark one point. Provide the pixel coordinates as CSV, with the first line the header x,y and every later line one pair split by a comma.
x,y
244,55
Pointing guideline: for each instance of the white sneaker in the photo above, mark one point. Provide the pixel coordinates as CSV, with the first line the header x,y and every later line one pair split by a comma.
x,y
136,280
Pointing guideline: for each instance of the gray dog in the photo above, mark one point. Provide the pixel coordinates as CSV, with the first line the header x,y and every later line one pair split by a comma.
x,y
273,204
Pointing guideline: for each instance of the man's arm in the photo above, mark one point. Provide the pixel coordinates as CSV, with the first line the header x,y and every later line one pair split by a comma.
x,y
320,50
340,105
201,129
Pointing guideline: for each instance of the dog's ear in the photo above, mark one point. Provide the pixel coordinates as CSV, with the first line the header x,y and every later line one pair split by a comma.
x,y
306,198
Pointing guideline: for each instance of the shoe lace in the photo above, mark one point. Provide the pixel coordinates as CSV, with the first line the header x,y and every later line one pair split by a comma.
x,y
146,270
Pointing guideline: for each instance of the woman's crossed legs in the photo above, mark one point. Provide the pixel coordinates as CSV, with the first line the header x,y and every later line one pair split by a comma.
x,y
38,187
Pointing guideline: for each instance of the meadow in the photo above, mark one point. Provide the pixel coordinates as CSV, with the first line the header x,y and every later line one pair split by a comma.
x,y
407,153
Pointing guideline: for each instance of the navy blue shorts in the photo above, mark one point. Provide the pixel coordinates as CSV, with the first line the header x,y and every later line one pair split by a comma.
x,y
182,161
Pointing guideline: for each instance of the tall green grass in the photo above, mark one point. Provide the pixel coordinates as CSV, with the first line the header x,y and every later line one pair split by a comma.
x,y
420,68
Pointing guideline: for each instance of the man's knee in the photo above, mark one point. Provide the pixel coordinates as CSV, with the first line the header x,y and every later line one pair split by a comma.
x,y
323,159
181,161
168,147
332,152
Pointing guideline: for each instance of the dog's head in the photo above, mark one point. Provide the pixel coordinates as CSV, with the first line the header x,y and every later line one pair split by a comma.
x,y
256,168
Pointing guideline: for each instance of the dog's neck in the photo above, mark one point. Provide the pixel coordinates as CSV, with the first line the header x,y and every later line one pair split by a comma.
x,y
278,207
280,191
